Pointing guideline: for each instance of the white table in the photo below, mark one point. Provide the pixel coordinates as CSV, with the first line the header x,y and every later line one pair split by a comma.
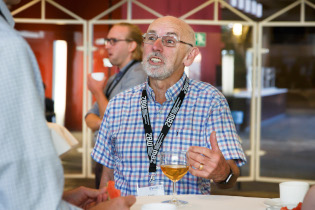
x,y
207,202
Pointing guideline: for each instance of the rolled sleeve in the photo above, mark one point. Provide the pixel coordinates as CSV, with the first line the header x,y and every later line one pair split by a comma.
x,y
221,121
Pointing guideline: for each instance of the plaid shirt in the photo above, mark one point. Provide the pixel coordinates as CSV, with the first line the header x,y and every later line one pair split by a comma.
x,y
121,143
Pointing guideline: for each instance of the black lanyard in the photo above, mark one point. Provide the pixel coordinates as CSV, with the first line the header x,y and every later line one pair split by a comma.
x,y
117,79
153,149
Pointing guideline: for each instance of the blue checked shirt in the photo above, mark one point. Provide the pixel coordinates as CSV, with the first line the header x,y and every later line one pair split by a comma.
x,y
121,143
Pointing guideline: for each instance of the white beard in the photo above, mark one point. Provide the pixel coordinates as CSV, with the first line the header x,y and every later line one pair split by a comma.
x,y
156,72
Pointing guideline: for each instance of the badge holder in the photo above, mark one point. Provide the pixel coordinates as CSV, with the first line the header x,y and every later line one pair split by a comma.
x,y
153,187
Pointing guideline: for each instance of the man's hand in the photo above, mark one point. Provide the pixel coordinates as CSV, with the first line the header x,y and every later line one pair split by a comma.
x,y
120,203
96,87
84,197
210,163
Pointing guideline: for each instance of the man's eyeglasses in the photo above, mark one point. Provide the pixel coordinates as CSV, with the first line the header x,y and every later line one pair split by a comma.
x,y
167,40
113,41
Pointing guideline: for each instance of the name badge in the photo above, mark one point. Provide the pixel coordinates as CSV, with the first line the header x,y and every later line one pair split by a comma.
x,y
151,190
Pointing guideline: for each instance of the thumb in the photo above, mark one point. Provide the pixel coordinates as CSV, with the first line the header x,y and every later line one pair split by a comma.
x,y
92,193
104,79
130,200
214,142
103,190
102,195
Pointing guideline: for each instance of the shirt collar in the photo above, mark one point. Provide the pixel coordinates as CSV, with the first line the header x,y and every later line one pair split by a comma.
x,y
4,11
171,93
124,68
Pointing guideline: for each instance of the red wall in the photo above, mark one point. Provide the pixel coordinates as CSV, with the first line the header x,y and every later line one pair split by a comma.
x,y
43,48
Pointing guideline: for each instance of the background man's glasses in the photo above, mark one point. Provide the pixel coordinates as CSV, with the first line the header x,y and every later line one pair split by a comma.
x,y
113,41
167,40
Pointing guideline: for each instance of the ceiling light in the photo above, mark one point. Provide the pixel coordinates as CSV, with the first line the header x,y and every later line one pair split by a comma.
x,y
237,29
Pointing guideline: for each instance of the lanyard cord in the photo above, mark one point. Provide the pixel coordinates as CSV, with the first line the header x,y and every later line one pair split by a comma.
x,y
153,149
117,79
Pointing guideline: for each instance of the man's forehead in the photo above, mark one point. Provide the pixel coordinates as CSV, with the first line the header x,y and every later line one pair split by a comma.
x,y
119,31
119,28
167,25
165,33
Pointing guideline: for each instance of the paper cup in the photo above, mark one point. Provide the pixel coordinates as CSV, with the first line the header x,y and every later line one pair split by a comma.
x,y
293,192
158,206
98,76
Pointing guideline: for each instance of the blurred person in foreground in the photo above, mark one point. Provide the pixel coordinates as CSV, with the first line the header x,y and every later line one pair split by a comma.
x,y
31,174
201,125
124,47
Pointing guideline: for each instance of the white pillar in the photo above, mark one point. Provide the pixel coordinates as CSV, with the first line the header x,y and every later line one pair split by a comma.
x,y
227,72
60,79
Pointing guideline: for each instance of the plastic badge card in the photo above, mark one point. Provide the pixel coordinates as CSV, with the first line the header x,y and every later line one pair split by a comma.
x,y
151,190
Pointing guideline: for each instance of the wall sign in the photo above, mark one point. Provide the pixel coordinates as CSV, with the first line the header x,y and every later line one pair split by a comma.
x,y
200,39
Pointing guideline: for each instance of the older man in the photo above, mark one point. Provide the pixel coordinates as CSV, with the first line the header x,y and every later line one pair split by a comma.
x,y
173,113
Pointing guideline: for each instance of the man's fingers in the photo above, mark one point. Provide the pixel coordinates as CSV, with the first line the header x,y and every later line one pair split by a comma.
x,y
202,155
130,200
197,150
214,142
102,197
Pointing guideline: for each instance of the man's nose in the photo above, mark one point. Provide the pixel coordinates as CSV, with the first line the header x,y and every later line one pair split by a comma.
x,y
158,44
107,46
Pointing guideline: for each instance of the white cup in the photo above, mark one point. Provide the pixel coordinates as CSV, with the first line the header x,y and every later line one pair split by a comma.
x,y
293,192
98,76
158,206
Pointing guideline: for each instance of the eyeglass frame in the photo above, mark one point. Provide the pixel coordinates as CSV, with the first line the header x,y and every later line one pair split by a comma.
x,y
113,41
172,35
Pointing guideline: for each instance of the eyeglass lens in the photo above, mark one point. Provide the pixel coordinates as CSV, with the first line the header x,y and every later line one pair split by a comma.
x,y
110,41
168,41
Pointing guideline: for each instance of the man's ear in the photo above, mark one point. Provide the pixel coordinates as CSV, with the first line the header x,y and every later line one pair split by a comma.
x,y
190,57
132,46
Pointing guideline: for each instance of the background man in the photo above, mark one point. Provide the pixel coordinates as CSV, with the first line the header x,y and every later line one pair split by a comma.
x,y
203,125
31,175
124,47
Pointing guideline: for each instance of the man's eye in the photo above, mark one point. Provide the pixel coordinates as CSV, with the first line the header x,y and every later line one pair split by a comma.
x,y
151,37
170,40
114,40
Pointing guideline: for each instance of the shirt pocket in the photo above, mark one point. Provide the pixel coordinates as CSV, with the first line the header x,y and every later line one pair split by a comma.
x,y
187,130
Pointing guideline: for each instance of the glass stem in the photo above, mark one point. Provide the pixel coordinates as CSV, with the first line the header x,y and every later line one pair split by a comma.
x,y
174,192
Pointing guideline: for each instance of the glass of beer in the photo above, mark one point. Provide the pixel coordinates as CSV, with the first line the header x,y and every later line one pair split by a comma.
x,y
174,165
